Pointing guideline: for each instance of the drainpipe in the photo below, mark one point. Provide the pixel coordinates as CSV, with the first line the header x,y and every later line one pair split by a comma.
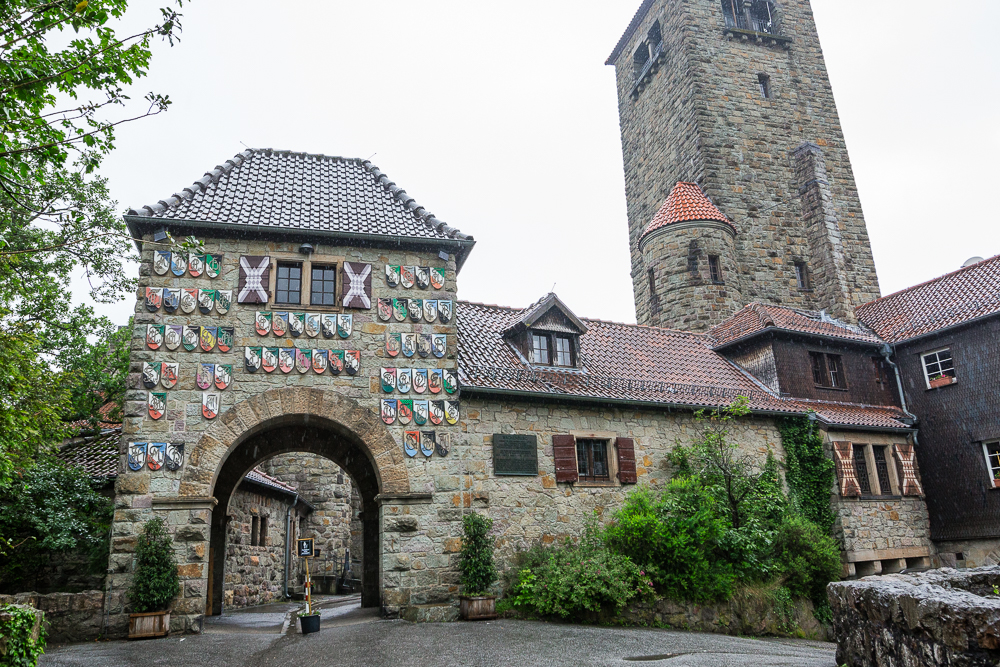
x,y
288,542
887,355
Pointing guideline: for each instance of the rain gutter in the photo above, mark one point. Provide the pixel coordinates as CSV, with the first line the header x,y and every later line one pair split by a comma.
x,y
288,543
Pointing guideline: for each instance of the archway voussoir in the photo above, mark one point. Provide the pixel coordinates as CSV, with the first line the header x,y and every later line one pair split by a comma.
x,y
260,407
315,396
246,416
205,445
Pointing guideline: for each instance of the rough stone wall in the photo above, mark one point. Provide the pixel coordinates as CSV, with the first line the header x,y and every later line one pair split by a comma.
x,y
254,574
69,617
974,553
700,117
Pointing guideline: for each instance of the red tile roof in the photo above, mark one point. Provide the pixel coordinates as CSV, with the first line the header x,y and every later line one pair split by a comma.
x,y
260,477
686,203
625,362
756,318
106,423
97,455
952,299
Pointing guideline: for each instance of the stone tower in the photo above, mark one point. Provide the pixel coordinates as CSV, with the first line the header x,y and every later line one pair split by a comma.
x,y
732,96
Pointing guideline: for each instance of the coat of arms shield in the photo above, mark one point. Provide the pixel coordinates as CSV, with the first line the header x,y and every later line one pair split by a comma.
x,y
137,455
445,310
269,359
303,360
189,339
388,410
205,376
312,324
399,309
178,264
172,336
437,277
156,403
189,300
213,266
279,324
175,456
320,361
206,300
196,264
419,380
154,298
435,382
422,276
391,275
251,359
262,322
223,376
416,308
439,345
404,380
154,336
393,344
439,446
171,299
450,379
329,326
345,325
385,309
223,300
405,411
296,324
227,335
155,455
420,412
150,374
286,359
169,372
427,448
208,338
407,276
424,345
451,412
430,309
209,405
352,361
429,439
409,344
411,442
436,412
388,377
161,262
336,362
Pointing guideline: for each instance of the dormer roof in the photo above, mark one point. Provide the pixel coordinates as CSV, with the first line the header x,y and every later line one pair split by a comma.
x,y
547,314
686,203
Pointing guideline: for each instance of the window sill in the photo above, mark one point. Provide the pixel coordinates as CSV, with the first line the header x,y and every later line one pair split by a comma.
x,y
302,308
606,485
890,497
819,386
758,37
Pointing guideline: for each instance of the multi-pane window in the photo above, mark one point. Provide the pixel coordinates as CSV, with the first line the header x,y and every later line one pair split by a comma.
x,y
828,370
564,351
801,275
324,285
939,366
882,469
861,470
288,288
992,452
540,349
592,460
715,269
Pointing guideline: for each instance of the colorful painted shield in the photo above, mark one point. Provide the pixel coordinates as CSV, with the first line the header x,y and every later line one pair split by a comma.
x,y
407,276
409,341
424,345
154,298
388,410
439,446
303,360
154,336
189,300
279,324
352,361
286,359
205,376
345,325
437,277
150,374
393,344
223,300
450,379
169,372
208,338
391,275
405,411
209,405
435,381
171,299
411,442
385,309
430,309
388,376
175,456
269,359
419,412
329,326
451,412
196,264
336,361
416,308
428,440
399,309
436,412
161,262
419,380
172,337
206,300
427,448
312,324
252,359
178,264
444,310
320,361
137,455
213,266
223,376
296,324
227,336
155,454
190,337
439,345
156,403
262,322
422,274
404,380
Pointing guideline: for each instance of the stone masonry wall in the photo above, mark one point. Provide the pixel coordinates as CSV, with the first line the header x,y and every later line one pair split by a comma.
x,y
69,617
254,574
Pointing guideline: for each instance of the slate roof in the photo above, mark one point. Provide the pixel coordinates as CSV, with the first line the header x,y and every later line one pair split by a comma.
x,y
626,362
757,318
953,299
685,203
97,455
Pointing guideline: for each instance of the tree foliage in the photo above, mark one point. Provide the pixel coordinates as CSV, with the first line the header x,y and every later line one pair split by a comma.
x,y
155,582
478,571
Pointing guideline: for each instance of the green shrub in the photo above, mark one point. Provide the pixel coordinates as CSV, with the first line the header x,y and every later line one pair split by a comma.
x,y
18,645
155,583
478,570
809,472
808,559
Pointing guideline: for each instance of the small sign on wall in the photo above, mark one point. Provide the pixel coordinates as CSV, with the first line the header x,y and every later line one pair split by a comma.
x,y
515,454
304,548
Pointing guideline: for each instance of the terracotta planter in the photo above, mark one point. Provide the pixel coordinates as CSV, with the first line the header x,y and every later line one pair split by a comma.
x,y
478,607
942,382
996,483
149,624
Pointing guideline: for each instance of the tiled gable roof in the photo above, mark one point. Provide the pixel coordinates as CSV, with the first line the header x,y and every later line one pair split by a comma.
x,y
539,312
258,476
686,203
97,455
954,298
756,318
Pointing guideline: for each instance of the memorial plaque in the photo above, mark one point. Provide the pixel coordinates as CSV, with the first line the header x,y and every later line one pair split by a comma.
x,y
515,454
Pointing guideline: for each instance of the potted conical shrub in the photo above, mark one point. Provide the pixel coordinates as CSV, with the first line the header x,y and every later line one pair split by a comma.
x,y
478,571
154,584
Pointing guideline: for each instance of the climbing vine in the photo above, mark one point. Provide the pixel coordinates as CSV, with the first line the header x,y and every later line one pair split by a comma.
x,y
808,471
19,647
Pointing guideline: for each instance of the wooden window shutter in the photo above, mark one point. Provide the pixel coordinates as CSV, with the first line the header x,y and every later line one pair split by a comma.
x,y
843,454
564,452
357,285
907,458
626,460
255,279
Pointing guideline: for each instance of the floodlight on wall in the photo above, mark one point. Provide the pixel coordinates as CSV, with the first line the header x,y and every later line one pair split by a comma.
x,y
306,249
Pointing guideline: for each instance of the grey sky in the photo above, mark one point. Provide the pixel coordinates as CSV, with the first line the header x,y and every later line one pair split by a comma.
x,y
501,118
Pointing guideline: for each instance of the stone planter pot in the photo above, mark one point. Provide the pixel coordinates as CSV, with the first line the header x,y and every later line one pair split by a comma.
x,y
942,382
478,607
149,624
309,624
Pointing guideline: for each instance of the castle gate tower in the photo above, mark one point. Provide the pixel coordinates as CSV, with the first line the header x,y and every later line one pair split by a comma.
x,y
733,95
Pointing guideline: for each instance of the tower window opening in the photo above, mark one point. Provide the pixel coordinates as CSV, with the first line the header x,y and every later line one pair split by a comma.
x,y
253,531
654,298
640,61
732,10
762,16
764,82
654,37
802,275
715,269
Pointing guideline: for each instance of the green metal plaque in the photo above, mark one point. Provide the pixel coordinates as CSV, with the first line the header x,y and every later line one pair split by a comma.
x,y
515,454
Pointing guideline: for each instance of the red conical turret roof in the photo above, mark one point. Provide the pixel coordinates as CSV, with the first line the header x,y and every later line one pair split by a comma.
x,y
686,203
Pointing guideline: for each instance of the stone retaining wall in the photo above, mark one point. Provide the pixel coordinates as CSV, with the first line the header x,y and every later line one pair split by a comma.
x,y
69,617
941,617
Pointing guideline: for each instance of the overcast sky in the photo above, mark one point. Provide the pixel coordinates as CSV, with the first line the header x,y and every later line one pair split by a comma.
x,y
502,119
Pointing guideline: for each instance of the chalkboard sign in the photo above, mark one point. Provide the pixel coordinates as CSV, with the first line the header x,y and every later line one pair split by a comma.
x,y
515,454
304,548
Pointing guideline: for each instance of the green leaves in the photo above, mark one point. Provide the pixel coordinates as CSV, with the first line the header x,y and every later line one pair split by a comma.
x,y
155,582
478,570
17,628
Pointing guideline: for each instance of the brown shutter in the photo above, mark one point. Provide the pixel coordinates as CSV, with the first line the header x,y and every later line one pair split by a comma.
x,y
564,452
843,454
626,460
356,285
908,465
255,279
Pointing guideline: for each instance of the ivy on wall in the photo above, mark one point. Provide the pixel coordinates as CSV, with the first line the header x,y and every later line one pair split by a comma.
x,y
22,636
808,471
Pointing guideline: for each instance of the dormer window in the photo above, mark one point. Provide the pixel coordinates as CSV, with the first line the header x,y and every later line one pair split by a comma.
x,y
540,349
547,334
564,351
548,349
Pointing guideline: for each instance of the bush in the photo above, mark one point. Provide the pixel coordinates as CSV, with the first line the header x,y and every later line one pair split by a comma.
x,y
808,558
155,583
478,570
19,647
